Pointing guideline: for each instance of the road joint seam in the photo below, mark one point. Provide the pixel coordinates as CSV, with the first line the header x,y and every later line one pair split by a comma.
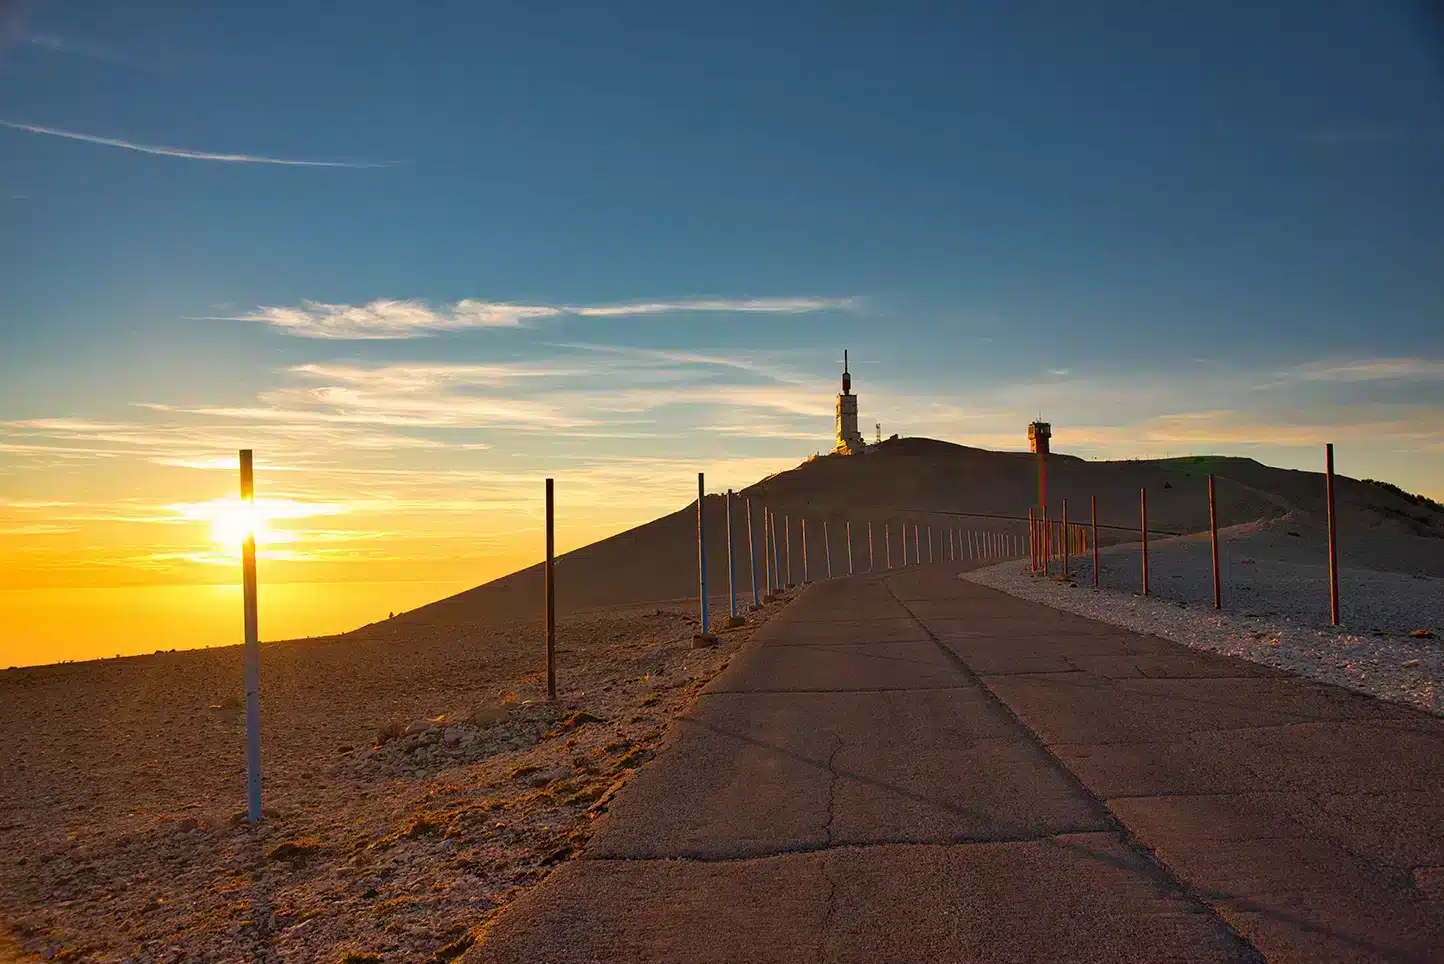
x,y
1165,874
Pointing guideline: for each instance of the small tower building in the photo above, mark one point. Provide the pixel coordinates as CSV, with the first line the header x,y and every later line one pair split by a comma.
x,y
849,439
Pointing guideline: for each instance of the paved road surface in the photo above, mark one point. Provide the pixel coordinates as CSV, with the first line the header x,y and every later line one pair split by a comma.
x,y
907,767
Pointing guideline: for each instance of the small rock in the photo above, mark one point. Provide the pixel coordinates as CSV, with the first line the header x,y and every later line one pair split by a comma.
x,y
388,732
1422,634
489,715
452,736
294,849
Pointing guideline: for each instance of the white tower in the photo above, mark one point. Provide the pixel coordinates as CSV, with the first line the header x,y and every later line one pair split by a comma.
x,y
849,439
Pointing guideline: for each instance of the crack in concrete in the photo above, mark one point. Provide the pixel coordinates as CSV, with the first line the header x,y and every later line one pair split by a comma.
x,y
830,907
1164,873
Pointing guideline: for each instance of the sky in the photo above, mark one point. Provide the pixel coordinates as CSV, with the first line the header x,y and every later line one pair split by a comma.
x,y
422,256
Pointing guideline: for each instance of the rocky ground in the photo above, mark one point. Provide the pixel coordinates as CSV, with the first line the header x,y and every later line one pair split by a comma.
x,y
416,779
1275,606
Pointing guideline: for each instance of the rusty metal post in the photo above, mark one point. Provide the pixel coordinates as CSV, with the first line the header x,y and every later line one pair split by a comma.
x,y
551,591
930,545
1047,541
1093,521
1143,521
1032,542
1213,542
1333,536
1067,556
251,651
904,545
917,555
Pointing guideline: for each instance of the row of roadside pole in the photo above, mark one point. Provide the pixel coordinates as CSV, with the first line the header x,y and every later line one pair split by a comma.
x,y
778,572
1048,541
1058,541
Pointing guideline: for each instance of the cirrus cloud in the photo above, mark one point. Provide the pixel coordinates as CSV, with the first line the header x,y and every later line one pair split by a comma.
x,y
395,318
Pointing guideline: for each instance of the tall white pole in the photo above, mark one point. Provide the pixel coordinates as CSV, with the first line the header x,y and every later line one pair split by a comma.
x,y
702,555
251,655
731,566
752,556
803,526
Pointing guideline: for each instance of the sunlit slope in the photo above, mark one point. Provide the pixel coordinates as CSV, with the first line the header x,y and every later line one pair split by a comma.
x,y
933,483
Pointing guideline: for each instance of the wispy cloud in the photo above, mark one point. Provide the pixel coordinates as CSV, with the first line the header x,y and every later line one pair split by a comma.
x,y
183,152
392,318
1369,370
775,306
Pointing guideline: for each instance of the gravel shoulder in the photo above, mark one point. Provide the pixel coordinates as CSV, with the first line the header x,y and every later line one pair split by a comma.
x,y
416,780
1275,608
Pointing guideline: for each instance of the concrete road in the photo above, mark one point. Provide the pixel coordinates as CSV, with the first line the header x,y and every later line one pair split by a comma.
x,y
907,767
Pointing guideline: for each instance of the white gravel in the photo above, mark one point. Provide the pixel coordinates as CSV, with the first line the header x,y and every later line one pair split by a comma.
x,y
1272,615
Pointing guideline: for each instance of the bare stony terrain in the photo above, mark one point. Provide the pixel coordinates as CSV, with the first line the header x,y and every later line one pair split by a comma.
x,y
415,780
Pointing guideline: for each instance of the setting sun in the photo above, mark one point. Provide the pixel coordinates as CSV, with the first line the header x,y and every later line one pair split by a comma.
x,y
232,520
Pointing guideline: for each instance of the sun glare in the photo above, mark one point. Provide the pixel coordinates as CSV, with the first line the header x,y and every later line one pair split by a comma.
x,y
233,520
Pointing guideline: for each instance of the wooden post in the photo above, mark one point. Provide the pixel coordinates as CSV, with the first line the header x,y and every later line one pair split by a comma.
x,y
826,549
871,565
887,544
849,547
905,545
1093,518
1213,542
1333,536
1143,513
752,557
251,653
551,592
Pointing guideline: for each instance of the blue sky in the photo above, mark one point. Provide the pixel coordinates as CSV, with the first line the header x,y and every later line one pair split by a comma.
x,y
1168,228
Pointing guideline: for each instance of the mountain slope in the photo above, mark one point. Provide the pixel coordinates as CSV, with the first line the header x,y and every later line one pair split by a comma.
x,y
932,483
